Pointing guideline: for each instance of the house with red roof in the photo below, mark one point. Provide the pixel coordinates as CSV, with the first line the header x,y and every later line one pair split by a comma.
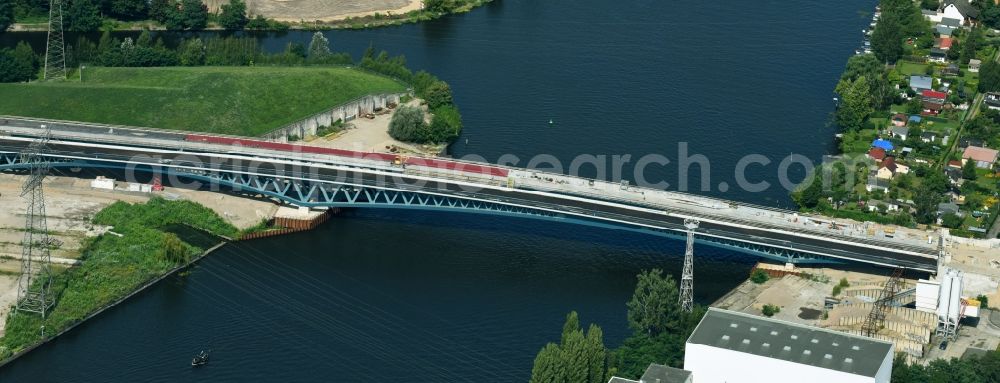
x,y
876,154
983,157
943,42
933,101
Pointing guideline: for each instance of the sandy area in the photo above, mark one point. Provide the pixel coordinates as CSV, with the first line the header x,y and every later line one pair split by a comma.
x,y
327,10
372,135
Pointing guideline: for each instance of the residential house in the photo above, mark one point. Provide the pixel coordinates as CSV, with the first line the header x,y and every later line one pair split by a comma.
x,y
954,176
955,164
951,70
933,16
915,120
876,154
875,205
943,43
983,157
928,136
944,30
898,119
955,197
947,208
905,152
938,55
899,132
974,65
874,183
887,169
921,83
884,144
950,22
992,100
959,9
933,101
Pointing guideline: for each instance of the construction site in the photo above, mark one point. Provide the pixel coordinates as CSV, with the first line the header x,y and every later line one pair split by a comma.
x,y
926,318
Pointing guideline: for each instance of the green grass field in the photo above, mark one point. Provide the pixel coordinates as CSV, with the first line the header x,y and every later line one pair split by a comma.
x,y
231,100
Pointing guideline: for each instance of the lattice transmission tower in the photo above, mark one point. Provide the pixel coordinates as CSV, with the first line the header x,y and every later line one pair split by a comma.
x,y
687,276
36,277
876,318
55,46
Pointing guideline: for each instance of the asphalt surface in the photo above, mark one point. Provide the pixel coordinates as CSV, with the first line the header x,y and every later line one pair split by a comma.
x,y
590,209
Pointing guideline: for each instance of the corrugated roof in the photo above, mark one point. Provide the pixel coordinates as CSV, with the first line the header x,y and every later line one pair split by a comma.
x,y
792,342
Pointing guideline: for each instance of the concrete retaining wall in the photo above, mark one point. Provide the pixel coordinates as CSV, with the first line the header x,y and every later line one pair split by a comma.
x,y
344,112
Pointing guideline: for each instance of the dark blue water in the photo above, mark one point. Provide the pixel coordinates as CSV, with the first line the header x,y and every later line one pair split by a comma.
x,y
417,296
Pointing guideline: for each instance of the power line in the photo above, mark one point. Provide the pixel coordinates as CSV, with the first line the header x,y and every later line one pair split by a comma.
x,y
55,47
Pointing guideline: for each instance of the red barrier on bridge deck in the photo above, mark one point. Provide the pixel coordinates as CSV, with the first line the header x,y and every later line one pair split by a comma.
x,y
415,161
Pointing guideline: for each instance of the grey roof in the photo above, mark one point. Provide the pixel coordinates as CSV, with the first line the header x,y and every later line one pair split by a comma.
x,y
944,30
975,62
921,82
615,379
878,182
791,342
947,207
664,374
967,10
927,12
900,130
938,52
950,22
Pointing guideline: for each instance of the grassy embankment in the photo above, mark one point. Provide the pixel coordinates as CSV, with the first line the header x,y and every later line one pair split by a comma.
x,y
230,100
156,237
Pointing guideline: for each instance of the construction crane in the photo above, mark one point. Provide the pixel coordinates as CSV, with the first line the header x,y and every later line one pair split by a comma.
x,y
876,318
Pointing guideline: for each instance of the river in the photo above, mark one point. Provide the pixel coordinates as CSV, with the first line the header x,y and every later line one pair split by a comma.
x,y
425,296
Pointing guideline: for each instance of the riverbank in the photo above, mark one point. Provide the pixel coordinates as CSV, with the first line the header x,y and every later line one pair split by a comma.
x,y
152,237
910,130
306,15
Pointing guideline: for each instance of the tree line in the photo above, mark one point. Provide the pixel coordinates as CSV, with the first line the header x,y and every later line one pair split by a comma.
x,y
660,330
175,15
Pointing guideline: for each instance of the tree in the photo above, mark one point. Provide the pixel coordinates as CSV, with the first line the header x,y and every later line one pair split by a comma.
x,y
951,220
654,306
969,170
887,39
930,5
769,310
439,6
407,124
82,16
319,47
810,196
989,77
192,52
233,16
926,201
18,64
129,9
445,125
194,13
578,357
159,10
970,45
6,14
855,103
438,94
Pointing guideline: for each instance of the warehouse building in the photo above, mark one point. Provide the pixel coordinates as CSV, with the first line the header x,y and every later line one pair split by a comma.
x,y
735,347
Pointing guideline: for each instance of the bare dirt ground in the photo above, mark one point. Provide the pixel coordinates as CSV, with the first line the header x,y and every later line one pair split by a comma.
x,y
372,135
328,10
71,204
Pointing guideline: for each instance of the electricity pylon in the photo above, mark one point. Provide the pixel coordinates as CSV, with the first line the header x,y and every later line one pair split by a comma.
x,y
687,276
55,46
36,277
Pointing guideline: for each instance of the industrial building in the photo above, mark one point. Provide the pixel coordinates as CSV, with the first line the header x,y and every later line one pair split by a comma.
x,y
658,373
735,347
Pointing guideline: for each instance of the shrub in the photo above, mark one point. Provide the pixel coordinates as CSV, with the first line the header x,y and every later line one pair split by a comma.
x,y
759,276
769,310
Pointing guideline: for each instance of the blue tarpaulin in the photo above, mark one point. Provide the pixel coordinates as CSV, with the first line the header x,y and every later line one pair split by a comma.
x,y
880,143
